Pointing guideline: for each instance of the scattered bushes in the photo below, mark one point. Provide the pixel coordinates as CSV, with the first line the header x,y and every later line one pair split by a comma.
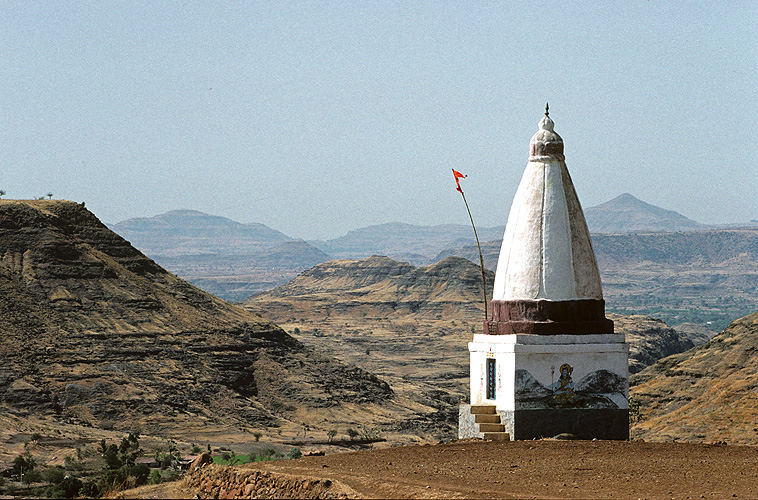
x,y
69,487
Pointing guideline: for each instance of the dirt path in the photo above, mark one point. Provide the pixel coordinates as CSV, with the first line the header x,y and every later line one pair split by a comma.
x,y
532,469
541,469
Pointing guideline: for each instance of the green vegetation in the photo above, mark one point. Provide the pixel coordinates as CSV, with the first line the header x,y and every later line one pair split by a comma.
x,y
714,313
93,471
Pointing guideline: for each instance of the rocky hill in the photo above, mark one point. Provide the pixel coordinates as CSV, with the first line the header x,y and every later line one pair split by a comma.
x,y
226,258
94,332
411,326
626,213
649,339
707,394
381,285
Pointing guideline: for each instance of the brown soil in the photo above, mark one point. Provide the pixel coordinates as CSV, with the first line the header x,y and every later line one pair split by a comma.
x,y
536,469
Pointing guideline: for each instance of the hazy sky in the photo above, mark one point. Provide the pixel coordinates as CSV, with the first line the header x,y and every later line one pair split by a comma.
x,y
315,118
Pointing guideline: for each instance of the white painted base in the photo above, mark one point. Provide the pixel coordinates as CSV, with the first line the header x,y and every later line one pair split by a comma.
x,y
528,371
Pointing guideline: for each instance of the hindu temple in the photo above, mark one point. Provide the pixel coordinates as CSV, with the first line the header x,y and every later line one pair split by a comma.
x,y
547,361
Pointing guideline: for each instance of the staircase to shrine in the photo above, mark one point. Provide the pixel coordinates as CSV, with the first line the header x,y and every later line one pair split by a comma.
x,y
488,424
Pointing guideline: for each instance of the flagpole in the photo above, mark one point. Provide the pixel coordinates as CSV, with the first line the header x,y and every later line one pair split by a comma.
x,y
481,259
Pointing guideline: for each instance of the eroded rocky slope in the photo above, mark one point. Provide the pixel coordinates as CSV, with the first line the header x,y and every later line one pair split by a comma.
x,y
95,332
707,394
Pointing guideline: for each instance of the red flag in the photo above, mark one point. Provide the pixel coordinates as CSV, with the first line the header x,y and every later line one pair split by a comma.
x,y
458,176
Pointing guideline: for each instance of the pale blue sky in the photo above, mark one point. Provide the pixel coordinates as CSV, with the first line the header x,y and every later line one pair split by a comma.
x,y
320,117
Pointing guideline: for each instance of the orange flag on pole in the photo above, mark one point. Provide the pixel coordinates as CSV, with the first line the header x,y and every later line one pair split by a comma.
x,y
458,176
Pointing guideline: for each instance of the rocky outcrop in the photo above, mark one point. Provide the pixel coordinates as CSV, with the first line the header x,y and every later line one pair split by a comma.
x,y
382,286
95,332
238,482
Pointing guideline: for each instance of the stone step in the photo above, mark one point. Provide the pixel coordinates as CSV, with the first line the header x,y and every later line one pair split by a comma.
x,y
483,418
497,436
491,428
487,409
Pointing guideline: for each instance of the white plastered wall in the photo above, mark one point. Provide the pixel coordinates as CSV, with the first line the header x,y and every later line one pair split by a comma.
x,y
542,356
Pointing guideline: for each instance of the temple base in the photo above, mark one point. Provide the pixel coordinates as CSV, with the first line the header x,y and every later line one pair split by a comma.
x,y
605,423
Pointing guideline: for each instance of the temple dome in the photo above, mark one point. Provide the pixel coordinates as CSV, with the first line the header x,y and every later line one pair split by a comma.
x,y
546,143
546,252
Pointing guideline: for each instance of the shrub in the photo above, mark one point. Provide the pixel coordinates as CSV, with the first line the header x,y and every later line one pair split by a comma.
x,y
155,477
169,475
23,463
112,460
54,475
68,488
90,489
294,454
352,433
32,476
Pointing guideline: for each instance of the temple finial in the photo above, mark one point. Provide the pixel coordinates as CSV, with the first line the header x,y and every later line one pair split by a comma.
x,y
547,108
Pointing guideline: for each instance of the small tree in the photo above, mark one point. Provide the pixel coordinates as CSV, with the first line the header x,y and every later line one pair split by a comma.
x,y
2,193
257,436
331,433
112,460
50,196
23,464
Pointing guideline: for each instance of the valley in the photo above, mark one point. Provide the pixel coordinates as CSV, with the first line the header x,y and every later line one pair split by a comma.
x,y
653,261
100,341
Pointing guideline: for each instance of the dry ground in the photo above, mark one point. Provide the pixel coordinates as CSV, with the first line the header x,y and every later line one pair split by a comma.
x,y
531,469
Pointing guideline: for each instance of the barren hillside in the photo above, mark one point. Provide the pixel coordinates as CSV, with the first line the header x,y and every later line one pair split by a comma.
x,y
94,332
707,394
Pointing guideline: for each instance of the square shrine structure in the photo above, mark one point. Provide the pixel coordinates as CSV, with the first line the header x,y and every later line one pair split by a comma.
x,y
548,361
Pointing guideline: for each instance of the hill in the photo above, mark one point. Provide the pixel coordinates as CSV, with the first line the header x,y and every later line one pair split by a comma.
x,y
189,232
416,244
626,213
226,258
97,334
234,277
411,326
706,394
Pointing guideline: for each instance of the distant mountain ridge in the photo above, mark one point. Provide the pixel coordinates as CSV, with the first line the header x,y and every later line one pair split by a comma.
x,y
190,232
626,213
397,239
234,260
